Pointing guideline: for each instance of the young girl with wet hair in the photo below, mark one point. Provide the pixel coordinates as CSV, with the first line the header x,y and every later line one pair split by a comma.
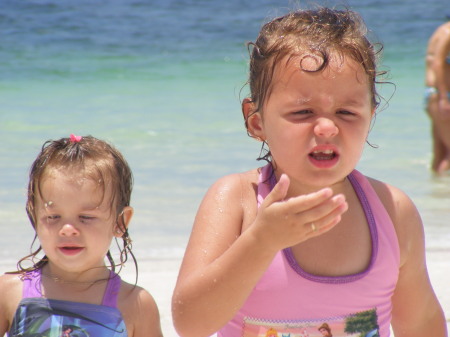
x,y
78,201
307,238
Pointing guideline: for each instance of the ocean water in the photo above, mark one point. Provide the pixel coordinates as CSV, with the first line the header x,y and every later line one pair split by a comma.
x,y
162,80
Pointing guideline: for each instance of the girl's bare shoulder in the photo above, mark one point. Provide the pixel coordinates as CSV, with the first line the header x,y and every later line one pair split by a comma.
x,y
243,183
11,290
11,285
394,199
404,215
234,192
139,310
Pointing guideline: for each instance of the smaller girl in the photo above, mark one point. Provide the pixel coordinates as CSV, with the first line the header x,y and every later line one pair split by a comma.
x,y
78,201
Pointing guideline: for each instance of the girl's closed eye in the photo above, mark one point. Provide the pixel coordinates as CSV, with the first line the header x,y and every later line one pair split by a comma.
x,y
303,112
86,218
346,114
52,218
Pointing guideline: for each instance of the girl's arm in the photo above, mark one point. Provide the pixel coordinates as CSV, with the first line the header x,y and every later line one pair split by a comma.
x,y
416,310
10,296
222,263
4,314
140,312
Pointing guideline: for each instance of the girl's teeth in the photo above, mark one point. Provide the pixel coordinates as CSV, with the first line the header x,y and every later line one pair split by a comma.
x,y
324,152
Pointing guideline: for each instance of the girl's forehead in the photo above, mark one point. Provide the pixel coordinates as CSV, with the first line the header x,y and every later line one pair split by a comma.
x,y
70,176
313,64
70,182
310,61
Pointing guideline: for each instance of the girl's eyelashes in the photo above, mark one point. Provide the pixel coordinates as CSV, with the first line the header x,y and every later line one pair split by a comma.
x,y
310,111
346,112
303,112
52,219
86,218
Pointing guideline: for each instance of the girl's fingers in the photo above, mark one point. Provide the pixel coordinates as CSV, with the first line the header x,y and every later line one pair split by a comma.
x,y
321,225
291,221
278,192
296,204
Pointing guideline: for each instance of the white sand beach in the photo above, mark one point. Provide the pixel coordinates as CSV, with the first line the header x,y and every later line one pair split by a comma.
x,y
158,276
438,268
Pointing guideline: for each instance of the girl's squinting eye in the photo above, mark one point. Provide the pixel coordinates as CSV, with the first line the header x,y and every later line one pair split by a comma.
x,y
52,218
86,218
303,112
346,112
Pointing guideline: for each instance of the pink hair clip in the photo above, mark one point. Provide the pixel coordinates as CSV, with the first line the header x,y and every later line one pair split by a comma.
x,y
75,139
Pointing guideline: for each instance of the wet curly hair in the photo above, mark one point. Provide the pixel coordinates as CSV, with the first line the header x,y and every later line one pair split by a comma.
x,y
319,32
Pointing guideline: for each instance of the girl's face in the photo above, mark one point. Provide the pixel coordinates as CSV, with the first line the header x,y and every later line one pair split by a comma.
x,y
316,123
75,223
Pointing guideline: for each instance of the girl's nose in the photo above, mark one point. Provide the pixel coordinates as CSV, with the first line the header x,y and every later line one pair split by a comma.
x,y
325,127
68,230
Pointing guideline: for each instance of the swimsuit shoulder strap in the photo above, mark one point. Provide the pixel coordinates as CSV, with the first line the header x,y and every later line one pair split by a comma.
x,y
112,290
32,284
266,182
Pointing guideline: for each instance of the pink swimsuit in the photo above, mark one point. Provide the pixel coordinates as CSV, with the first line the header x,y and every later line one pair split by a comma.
x,y
287,301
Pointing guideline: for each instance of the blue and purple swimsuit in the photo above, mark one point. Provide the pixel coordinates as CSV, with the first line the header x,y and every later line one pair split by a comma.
x,y
39,316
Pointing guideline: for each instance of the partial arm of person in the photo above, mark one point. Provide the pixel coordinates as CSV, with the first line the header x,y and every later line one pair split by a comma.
x,y
416,310
4,314
139,311
440,67
222,263
10,296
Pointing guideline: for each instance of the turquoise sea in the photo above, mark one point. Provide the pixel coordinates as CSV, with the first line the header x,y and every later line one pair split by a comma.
x,y
162,80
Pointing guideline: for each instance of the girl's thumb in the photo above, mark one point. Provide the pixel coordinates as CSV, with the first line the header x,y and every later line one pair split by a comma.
x,y
279,191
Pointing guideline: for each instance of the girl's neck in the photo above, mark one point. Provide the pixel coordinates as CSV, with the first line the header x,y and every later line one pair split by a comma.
x,y
85,287
297,188
88,277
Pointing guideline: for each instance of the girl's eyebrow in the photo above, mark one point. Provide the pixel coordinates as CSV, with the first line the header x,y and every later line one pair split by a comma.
x,y
354,101
91,207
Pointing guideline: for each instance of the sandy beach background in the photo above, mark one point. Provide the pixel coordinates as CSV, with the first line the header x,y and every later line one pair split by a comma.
x,y
162,80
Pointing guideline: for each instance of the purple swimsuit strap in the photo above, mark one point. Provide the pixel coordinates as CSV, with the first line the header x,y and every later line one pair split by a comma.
x,y
32,284
112,290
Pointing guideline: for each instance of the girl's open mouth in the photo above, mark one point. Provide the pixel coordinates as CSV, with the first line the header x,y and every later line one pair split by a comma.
x,y
323,155
70,250
324,158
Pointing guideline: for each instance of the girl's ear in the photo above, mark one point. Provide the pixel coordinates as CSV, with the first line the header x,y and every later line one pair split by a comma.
x,y
123,221
253,120
374,111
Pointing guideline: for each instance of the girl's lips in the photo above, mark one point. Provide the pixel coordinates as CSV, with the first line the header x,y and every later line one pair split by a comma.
x,y
70,250
324,156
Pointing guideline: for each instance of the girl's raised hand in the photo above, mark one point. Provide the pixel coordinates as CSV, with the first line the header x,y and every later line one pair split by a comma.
x,y
282,223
